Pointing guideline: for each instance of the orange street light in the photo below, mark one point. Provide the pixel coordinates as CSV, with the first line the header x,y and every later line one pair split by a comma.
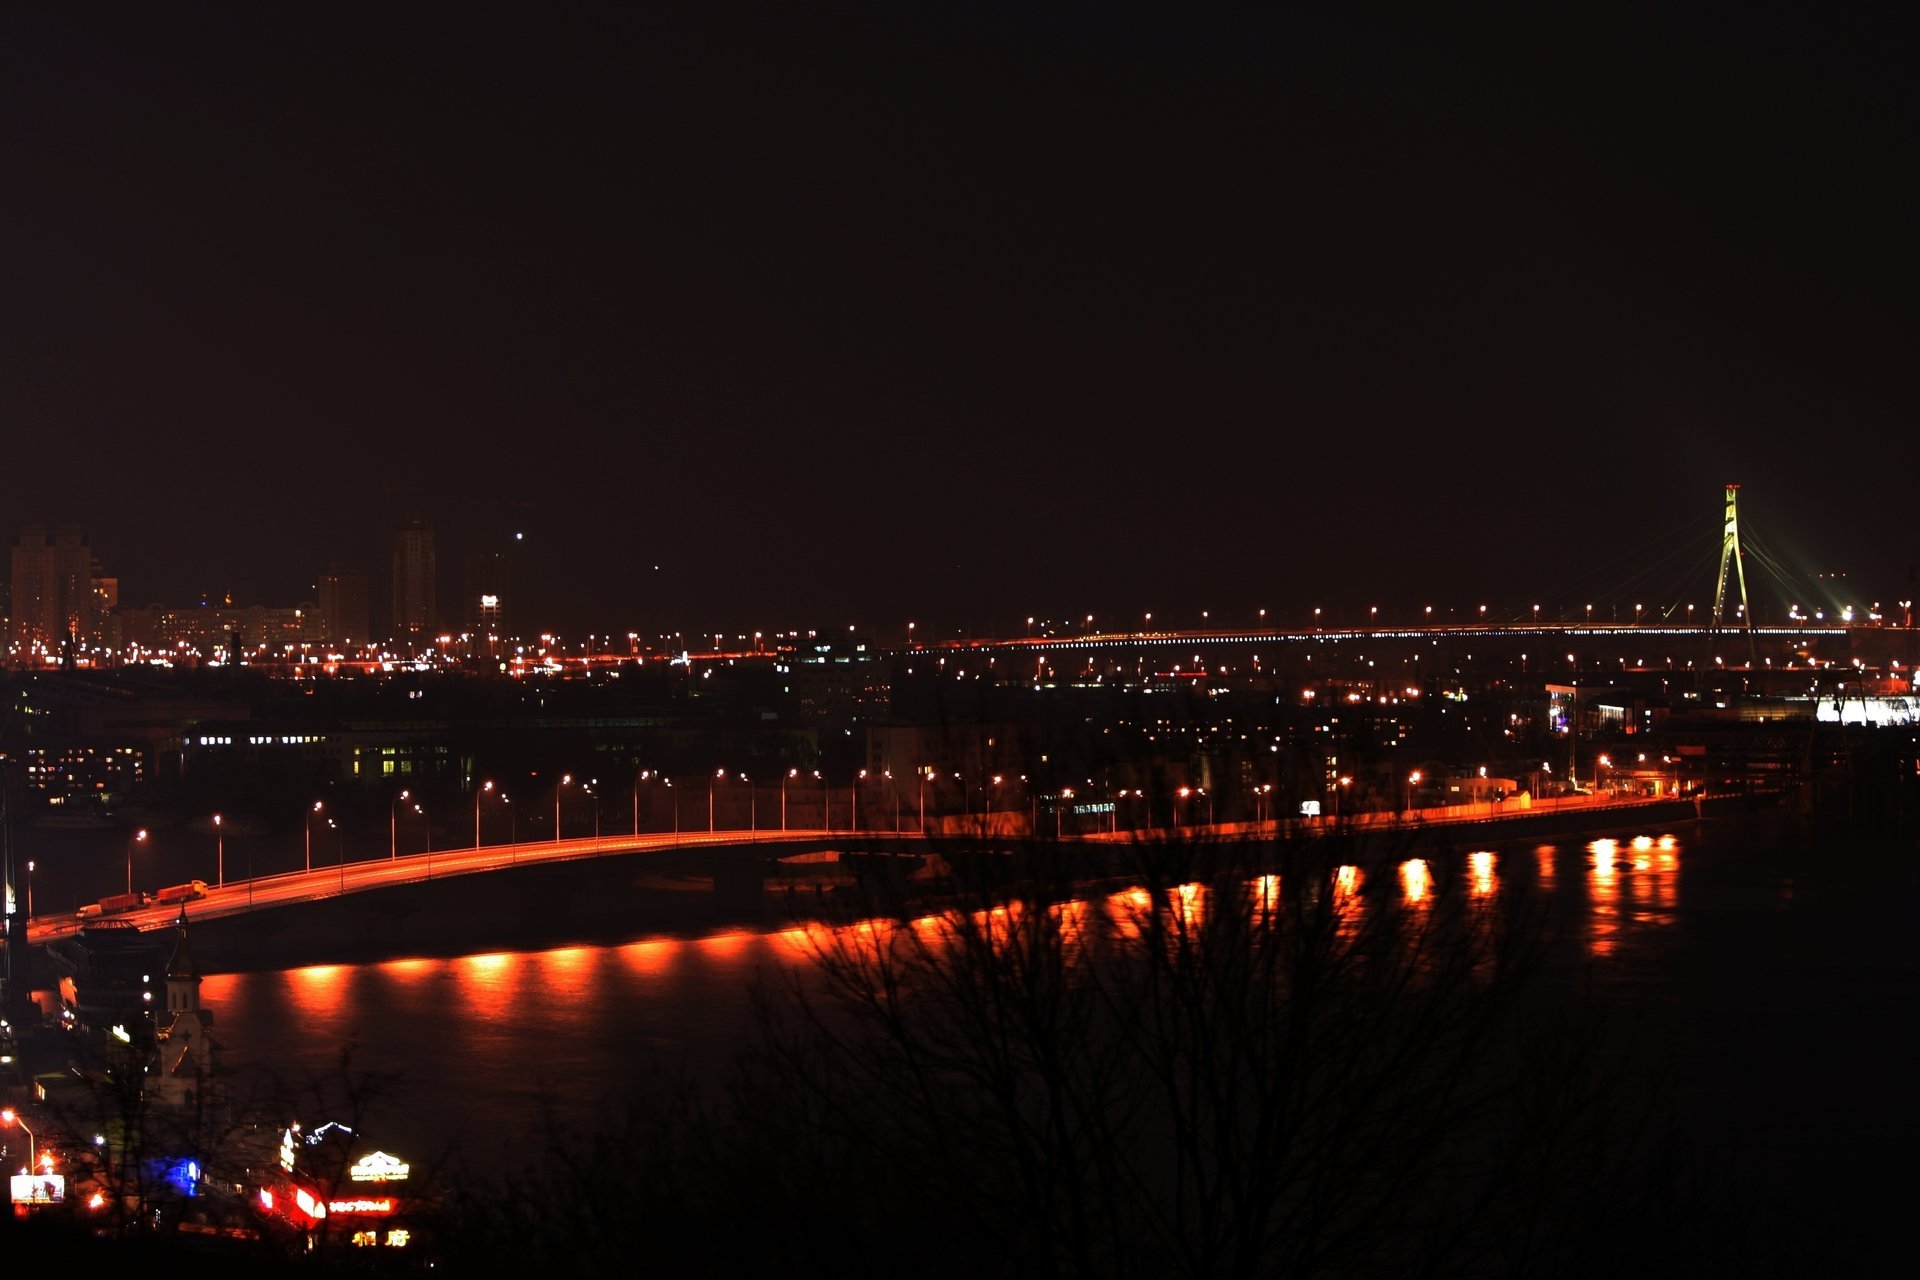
x,y
566,780
10,1116
308,825
139,837
478,792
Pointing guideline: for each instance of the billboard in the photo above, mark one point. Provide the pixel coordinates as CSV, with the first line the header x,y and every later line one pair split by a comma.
x,y
39,1188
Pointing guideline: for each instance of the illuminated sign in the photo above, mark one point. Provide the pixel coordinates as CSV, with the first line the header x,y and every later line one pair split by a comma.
x,y
382,1205
286,1150
42,1188
380,1167
314,1208
1309,808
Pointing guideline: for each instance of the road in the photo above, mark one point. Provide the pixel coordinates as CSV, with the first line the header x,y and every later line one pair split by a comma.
x,y
239,896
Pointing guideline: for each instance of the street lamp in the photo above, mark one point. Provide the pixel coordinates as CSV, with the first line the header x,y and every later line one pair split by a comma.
x,y
1413,780
926,774
853,800
481,791
10,1116
1183,793
29,888
1066,793
393,825
219,852
308,830
789,775
566,780
717,774
139,837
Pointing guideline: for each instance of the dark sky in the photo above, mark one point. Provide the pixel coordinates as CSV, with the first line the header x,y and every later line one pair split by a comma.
x,y
856,313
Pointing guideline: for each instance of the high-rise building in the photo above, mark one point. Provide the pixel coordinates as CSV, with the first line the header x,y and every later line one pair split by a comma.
x,y
53,591
342,602
414,607
484,601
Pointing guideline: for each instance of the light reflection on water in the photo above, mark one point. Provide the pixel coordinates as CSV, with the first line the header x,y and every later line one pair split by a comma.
x,y
490,1044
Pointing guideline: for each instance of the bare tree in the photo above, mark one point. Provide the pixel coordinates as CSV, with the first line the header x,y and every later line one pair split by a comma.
x,y
1302,1058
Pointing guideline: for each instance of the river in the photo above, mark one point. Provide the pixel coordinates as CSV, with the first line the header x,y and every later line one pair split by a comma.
x,y
1780,977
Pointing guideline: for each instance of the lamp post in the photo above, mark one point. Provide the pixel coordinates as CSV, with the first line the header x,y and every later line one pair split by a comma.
x,y
393,826
717,774
11,1116
925,773
1066,793
29,888
566,780
307,827
478,792
219,852
139,837
788,776
853,800
1183,793
1413,780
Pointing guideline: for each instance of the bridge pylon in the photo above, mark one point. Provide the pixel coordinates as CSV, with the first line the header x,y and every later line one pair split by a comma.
x,y
1730,554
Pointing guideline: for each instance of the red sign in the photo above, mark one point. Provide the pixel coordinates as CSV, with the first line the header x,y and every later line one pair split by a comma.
x,y
382,1205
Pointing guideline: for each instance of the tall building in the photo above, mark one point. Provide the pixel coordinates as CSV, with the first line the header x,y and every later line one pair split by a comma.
x,y
414,607
342,602
53,591
488,589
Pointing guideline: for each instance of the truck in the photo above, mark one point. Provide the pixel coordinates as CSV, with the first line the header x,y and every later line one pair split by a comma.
x,y
112,906
182,892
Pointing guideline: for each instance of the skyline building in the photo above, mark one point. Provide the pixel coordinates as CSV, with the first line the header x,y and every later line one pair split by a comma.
x,y
342,601
485,598
415,609
54,596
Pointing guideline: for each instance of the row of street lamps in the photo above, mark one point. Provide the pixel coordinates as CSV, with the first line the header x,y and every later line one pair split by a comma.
x,y
924,775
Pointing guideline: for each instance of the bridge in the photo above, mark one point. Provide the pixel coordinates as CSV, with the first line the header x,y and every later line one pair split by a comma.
x,y
306,887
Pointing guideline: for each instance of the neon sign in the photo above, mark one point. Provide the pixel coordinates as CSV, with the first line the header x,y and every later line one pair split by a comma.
x,y
382,1205
380,1167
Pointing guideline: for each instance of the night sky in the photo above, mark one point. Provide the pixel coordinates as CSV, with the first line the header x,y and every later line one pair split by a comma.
x,y
848,314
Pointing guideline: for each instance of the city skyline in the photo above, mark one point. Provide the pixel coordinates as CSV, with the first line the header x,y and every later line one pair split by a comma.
x,y
56,574
906,314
